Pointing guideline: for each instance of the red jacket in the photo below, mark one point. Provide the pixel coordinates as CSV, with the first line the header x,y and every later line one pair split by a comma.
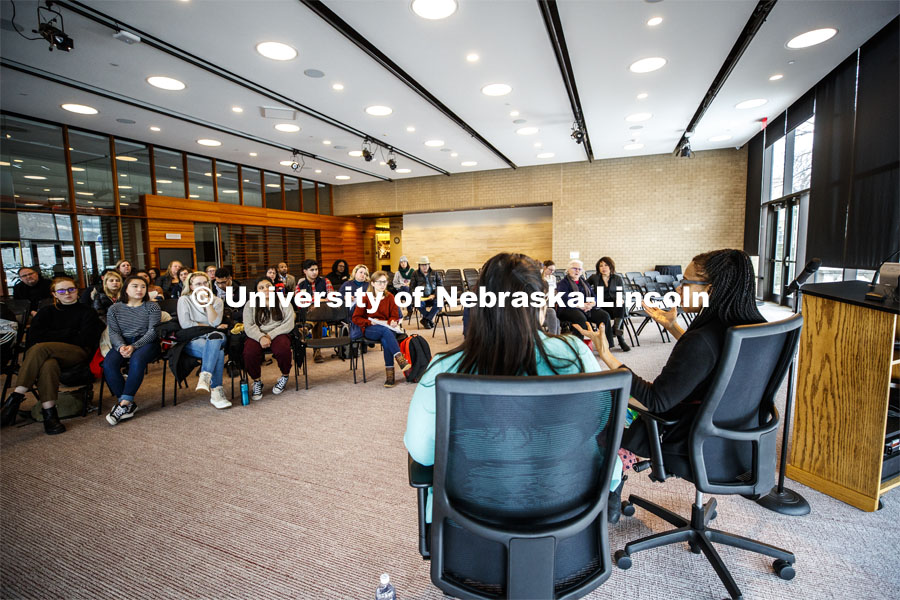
x,y
387,311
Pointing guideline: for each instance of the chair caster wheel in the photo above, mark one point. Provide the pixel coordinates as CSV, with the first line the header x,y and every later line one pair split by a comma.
x,y
627,508
713,516
695,547
784,569
623,561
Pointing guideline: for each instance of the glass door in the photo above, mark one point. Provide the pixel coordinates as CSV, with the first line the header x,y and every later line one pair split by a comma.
x,y
783,217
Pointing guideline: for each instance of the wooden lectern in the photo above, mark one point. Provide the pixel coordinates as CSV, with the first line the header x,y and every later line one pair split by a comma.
x,y
846,360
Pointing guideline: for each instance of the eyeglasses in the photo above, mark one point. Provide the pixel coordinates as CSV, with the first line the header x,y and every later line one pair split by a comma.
x,y
66,291
692,282
576,269
383,281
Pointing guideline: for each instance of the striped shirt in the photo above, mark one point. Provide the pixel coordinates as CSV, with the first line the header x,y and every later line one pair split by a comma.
x,y
136,323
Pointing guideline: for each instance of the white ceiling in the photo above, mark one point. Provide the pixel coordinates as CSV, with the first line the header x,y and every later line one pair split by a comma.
x,y
603,38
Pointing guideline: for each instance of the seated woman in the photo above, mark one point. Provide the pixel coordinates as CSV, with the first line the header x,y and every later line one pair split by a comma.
x,y
268,326
586,309
154,292
358,281
403,275
612,284
109,293
205,310
377,325
676,393
169,281
501,341
124,268
339,273
551,322
132,325
153,273
61,336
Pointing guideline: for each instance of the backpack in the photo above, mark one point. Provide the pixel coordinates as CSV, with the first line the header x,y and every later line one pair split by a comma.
x,y
417,352
68,404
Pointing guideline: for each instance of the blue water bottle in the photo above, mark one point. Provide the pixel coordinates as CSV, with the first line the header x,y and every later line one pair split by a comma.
x,y
245,392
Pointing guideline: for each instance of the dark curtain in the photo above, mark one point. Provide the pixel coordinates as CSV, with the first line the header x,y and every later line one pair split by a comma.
x,y
801,110
832,164
873,224
775,129
755,153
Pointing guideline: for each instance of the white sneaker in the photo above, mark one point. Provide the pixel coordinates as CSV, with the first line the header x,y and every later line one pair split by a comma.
x,y
280,384
203,381
217,398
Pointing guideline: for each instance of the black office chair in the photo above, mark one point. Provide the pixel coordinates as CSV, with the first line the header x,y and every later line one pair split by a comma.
x,y
731,448
334,318
521,479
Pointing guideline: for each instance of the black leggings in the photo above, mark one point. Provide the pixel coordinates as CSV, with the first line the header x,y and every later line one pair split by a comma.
x,y
595,316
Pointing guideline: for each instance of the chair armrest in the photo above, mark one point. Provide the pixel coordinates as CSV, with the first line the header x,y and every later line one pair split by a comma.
x,y
420,476
642,410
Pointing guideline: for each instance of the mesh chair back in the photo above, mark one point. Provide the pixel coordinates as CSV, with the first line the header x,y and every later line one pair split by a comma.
x,y
522,457
651,275
326,314
471,277
440,272
734,433
454,278
630,275
666,282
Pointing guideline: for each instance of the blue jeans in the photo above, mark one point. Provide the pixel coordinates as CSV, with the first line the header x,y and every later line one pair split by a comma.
x,y
211,354
388,339
428,308
125,389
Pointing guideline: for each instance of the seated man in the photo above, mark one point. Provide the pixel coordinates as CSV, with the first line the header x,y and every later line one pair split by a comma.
x,y
311,283
426,281
32,287
224,281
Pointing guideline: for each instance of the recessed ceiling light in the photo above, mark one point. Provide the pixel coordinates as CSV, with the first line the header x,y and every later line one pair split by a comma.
x,y
18,160
379,111
638,117
32,204
35,177
163,181
154,128
273,185
342,177
46,189
251,154
527,130
237,109
642,95
124,187
454,154
3,163
434,9
546,155
285,163
314,73
434,143
165,83
276,51
646,65
538,144
124,158
404,171
208,142
750,103
228,191
287,127
811,38
318,170
468,163
496,89
654,21
79,183
355,153
410,129
634,146
337,86
81,109
472,57
776,77
720,138
85,193
193,196
76,169
514,113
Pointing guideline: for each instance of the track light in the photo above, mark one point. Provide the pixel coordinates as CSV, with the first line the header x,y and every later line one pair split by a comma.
x,y
367,155
577,133
392,164
297,162
684,151
47,29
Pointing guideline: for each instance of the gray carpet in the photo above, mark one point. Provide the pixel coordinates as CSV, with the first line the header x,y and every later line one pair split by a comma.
x,y
305,495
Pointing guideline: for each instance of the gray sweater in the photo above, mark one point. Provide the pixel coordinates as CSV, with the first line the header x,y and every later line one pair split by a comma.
x,y
190,314
270,328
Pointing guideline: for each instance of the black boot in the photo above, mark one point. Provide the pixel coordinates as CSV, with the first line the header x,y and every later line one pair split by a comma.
x,y
614,503
625,347
11,409
52,426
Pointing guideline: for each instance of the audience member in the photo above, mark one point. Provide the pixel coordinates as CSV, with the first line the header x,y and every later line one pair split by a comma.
x,y
208,345
210,271
611,284
154,292
170,282
359,281
267,327
312,283
503,340
289,281
132,325
153,272
124,267
428,282
340,272
32,287
111,290
551,322
403,275
586,310
63,335
382,325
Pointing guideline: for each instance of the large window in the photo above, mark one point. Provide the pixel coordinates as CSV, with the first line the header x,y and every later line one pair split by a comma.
x,y
291,193
200,178
252,189
33,165
99,244
92,172
309,196
133,171
273,190
40,240
169,173
802,161
324,199
227,180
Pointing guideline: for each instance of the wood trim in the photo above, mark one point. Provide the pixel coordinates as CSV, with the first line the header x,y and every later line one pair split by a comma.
x,y
851,497
330,198
184,173
76,234
283,195
240,175
152,168
215,178
315,187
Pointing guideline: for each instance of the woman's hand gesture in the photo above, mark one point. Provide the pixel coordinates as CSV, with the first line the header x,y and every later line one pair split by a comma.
x,y
598,337
666,318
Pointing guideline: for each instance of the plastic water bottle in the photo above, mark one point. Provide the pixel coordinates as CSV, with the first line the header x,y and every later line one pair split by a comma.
x,y
245,393
385,591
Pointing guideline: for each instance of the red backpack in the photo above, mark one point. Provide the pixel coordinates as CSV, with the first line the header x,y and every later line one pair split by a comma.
x,y
417,353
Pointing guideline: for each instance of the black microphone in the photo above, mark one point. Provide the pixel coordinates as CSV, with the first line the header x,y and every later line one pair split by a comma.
x,y
811,267
878,270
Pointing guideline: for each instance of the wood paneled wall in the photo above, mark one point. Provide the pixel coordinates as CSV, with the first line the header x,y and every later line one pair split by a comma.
x,y
340,237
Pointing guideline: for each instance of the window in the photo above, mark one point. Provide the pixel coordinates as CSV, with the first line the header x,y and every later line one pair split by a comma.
x,y
200,178
273,190
99,245
169,173
92,172
227,180
802,160
324,199
309,196
291,193
133,171
776,183
33,166
133,247
206,241
252,190
40,240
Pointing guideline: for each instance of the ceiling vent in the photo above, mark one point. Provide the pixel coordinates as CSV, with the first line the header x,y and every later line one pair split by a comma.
x,y
282,114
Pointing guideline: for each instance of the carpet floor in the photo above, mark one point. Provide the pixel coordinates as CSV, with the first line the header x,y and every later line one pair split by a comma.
x,y
304,495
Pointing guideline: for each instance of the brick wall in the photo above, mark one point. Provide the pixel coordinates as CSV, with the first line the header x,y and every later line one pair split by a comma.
x,y
641,211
